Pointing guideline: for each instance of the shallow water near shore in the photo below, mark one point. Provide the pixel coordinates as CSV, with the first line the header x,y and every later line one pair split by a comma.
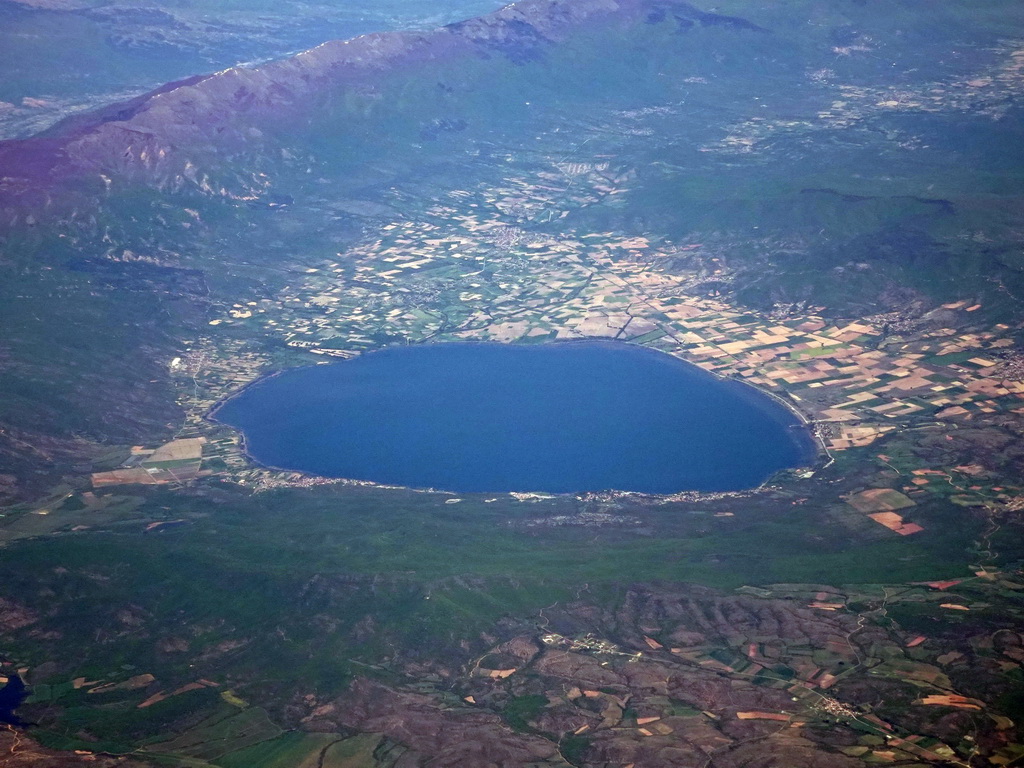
x,y
486,417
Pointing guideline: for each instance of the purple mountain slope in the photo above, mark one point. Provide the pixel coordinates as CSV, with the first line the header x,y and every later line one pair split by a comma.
x,y
154,136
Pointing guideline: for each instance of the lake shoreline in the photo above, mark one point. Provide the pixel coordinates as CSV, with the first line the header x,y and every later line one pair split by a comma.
x,y
780,412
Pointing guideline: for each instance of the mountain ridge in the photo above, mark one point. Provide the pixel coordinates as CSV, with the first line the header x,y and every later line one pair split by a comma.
x,y
147,137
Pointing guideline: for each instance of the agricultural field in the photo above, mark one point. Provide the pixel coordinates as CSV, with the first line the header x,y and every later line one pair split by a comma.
x,y
169,602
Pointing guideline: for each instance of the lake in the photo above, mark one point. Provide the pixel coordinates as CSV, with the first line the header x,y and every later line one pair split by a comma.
x,y
487,417
12,694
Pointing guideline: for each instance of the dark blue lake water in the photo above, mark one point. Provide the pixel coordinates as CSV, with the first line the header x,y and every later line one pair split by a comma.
x,y
580,416
11,696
